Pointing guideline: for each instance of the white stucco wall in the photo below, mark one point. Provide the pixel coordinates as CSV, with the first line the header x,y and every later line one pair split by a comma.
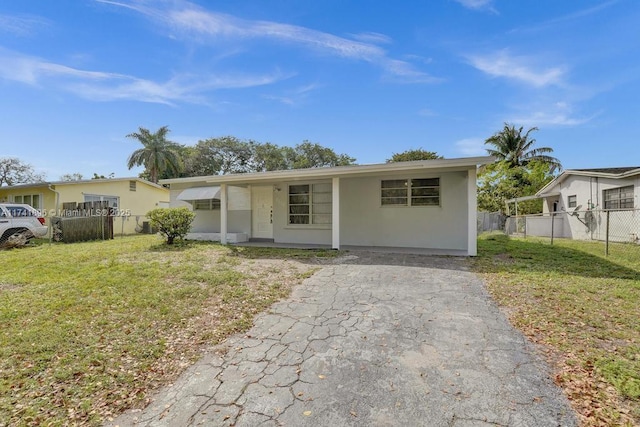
x,y
590,190
285,233
364,222
208,221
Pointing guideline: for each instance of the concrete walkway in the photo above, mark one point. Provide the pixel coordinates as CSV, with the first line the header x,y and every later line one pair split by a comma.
x,y
373,340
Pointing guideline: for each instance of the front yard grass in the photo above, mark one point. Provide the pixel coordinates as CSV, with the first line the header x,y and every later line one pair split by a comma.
x,y
88,329
585,310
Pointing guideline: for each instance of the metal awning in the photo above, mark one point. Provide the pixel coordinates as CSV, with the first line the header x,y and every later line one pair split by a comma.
x,y
200,193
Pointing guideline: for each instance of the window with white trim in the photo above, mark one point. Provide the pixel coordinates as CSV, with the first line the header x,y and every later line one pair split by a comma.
x,y
32,200
113,201
310,204
619,198
410,192
572,201
132,185
207,205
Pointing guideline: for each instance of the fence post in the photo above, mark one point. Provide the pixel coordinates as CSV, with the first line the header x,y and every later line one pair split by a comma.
x,y
606,246
553,214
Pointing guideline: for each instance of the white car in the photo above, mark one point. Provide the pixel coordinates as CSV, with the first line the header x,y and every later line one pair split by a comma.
x,y
20,220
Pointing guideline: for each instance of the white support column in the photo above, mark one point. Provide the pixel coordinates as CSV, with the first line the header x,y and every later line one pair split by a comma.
x,y
335,213
223,214
472,225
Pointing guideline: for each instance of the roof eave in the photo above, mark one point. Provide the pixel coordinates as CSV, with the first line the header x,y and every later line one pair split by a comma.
x,y
324,172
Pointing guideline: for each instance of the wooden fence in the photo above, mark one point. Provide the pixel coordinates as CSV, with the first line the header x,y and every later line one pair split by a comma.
x,y
80,222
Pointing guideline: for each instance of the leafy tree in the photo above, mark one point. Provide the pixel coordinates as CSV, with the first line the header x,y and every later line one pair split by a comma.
x,y
270,157
71,177
229,154
173,223
515,149
312,155
14,171
223,155
414,154
500,182
110,176
158,155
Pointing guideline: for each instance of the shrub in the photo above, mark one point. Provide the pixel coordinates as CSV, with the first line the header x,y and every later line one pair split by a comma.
x,y
171,222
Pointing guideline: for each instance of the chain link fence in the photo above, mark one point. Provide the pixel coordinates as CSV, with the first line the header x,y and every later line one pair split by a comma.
x,y
617,230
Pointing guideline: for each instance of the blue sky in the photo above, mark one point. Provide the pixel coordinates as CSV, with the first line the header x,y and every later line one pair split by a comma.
x,y
364,78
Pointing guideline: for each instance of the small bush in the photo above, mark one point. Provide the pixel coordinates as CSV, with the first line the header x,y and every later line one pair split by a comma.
x,y
171,222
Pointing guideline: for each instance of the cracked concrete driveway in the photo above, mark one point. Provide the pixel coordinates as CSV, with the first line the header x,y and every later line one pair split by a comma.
x,y
371,340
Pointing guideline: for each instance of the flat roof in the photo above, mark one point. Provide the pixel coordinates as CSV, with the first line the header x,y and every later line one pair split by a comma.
x,y
462,163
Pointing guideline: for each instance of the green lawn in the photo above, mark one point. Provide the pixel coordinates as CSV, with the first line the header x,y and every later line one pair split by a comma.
x,y
584,307
89,328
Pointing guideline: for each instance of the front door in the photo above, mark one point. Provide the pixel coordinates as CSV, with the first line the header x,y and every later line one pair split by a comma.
x,y
262,212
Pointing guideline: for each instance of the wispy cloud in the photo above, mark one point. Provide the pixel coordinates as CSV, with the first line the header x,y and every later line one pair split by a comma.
x,y
566,18
478,5
370,37
295,96
426,112
194,22
519,68
471,147
21,25
105,86
558,114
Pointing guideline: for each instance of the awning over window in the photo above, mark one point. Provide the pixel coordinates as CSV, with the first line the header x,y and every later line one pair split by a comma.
x,y
200,193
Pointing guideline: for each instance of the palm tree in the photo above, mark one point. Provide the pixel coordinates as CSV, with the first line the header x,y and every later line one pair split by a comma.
x,y
515,149
158,155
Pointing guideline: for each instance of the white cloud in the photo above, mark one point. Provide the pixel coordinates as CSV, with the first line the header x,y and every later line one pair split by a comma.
x,y
471,147
426,112
371,37
520,68
478,4
21,25
295,96
195,22
558,114
104,86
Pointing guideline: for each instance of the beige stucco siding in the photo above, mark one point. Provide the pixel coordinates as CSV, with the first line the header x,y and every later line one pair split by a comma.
x,y
47,197
365,222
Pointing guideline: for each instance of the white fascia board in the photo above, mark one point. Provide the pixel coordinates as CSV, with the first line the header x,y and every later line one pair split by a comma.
x,y
329,172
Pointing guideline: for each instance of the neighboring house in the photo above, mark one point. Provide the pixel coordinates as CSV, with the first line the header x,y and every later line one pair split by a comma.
x,y
582,189
582,200
427,204
133,198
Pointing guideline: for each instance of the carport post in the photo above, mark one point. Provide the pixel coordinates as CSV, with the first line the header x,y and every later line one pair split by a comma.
x,y
335,213
472,214
223,214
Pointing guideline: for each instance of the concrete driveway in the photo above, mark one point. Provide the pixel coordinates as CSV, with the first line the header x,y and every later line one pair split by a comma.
x,y
372,340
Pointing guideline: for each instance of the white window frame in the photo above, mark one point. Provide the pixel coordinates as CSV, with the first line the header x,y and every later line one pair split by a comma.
x,y
572,201
102,198
319,203
20,199
133,185
613,197
404,192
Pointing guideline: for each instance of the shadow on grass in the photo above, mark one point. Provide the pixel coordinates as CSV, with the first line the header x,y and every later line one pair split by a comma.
x,y
508,254
180,245
253,252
